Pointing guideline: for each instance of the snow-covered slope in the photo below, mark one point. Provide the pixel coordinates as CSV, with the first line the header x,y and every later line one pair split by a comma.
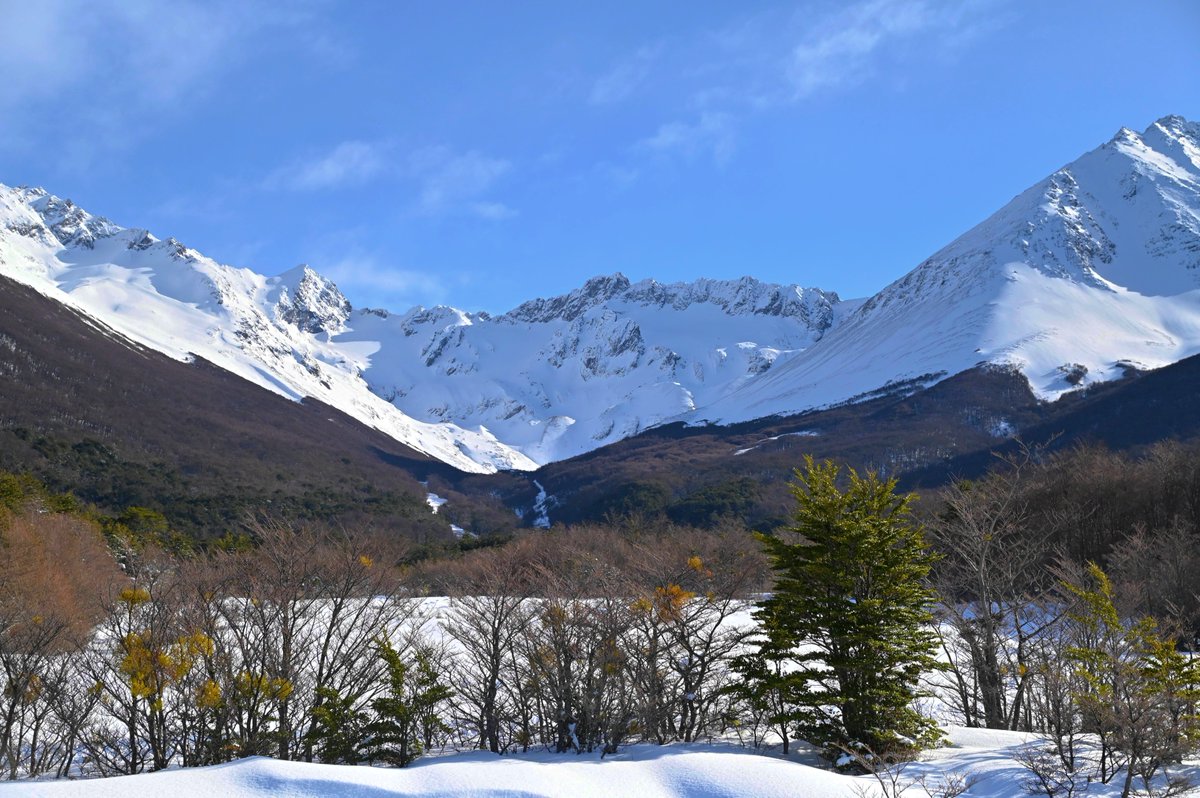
x,y
557,377
552,378
1091,271
272,331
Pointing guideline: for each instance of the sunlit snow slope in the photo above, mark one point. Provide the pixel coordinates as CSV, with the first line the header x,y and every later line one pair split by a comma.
x,y
272,331
548,380
558,377
1091,271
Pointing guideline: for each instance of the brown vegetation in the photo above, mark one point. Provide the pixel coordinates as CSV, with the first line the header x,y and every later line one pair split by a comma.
x,y
119,425
577,638
55,565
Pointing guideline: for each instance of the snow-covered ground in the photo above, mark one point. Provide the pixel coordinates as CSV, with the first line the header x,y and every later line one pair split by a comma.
x,y
641,771
985,758
988,762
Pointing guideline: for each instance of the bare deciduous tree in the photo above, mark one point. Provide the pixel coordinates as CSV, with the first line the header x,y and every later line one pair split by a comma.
x,y
991,596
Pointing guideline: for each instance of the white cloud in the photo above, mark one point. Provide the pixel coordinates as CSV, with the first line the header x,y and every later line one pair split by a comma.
x,y
712,134
623,80
453,182
350,163
444,181
778,58
838,51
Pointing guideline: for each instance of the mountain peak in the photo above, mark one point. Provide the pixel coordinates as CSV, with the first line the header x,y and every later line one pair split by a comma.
x,y
606,284
1125,134
568,307
67,222
310,301
297,272
741,296
1177,125
1178,140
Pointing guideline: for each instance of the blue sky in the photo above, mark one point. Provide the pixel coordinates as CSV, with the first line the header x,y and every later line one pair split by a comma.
x,y
480,154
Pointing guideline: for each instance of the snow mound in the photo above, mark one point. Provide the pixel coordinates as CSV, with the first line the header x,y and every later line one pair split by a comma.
x,y
645,770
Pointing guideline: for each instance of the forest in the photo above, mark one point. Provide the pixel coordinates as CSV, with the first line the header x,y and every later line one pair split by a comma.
x,y
1056,594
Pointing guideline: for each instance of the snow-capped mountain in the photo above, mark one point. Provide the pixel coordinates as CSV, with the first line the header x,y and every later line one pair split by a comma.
x,y
1092,271
275,331
552,378
557,377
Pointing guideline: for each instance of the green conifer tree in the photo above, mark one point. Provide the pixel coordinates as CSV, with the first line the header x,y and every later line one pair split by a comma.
x,y
406,719
846,634
338,729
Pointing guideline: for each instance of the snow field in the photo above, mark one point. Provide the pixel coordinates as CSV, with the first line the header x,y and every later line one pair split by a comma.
x,y
640,771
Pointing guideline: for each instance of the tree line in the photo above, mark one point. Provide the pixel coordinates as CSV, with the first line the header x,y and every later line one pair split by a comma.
x,y
1053,595
1068,600
308,645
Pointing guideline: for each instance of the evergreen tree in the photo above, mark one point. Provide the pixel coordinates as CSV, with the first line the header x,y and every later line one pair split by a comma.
x,y
845,636
338,729
766,685
406,719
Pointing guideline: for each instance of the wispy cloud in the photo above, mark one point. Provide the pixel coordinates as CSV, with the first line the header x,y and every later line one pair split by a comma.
x,y
840,49
368,281
778,59
452,182
623,80
113,69
441,180
371,276
712,134
350,163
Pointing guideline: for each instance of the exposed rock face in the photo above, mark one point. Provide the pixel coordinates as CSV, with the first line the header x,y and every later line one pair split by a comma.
x,y
311,302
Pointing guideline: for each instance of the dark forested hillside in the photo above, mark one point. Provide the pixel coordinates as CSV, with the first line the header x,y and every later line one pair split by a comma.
x,y
87,411
925,438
